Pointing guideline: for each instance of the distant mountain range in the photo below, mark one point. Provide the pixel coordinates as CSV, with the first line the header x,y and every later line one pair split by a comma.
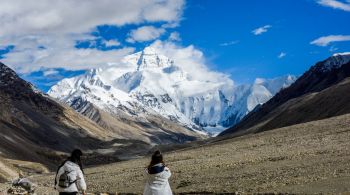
x,y
148,83
126,110
321,92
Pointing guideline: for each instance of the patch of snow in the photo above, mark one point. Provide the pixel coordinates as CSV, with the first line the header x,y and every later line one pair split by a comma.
x,y
336,61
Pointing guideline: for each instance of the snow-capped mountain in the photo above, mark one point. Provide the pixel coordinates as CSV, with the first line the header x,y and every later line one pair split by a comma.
x,y
336,61
321,92
247,97
148,82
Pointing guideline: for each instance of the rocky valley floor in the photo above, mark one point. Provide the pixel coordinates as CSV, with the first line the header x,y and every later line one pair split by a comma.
x,y
309,158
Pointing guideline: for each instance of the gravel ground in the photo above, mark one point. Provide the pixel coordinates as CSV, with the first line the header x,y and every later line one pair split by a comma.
x,y
309,158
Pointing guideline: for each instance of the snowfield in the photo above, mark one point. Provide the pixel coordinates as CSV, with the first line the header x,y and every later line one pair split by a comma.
x,y
148,82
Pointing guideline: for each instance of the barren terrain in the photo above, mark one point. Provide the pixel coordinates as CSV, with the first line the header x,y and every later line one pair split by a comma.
x,y
307,158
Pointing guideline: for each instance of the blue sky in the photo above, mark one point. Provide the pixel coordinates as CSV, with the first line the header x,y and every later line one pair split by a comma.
x,y
294,25
287,39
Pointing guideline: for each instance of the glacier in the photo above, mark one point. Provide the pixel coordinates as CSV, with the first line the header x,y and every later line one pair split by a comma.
x,y
148,82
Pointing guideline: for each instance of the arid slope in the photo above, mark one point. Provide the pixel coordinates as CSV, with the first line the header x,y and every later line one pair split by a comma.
x,y
312,157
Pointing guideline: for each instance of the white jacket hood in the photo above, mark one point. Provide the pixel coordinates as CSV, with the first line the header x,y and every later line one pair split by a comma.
x,y
157,184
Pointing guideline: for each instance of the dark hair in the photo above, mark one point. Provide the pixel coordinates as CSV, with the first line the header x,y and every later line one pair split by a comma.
x,y
75,157
157,158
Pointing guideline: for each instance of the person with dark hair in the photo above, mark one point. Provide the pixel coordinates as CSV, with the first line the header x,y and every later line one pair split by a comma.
x,y
157,175
69,178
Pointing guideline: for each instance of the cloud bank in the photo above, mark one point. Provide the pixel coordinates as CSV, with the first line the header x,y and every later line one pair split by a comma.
x,y
79,16
190,60
44,32
326,40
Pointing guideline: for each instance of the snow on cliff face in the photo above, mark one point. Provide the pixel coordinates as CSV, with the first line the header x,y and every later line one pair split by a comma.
x,y
148,82
336,61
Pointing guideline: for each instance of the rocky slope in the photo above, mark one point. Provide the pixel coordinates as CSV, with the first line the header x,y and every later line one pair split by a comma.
x,y
149,83
321,92
30,120
36,128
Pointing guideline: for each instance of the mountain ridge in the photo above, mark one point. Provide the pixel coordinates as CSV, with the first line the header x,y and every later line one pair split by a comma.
x,y
156,83
325,76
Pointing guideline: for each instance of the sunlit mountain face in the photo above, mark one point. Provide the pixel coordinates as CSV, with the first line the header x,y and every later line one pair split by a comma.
x,y
150,82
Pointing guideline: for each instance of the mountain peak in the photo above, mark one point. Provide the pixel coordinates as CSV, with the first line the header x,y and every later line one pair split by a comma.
x,y
149,51
5,70
151,82
342,54
95,71
12,83
149,58
336,61
7,75
259,81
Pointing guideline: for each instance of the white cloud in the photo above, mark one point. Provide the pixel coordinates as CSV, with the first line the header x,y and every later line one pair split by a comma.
x,y
229,43
261,30
145,33
50,72
72,59
44,32
335,4
326,40
174,36
111,43
59,53
78,16
282,55
191,60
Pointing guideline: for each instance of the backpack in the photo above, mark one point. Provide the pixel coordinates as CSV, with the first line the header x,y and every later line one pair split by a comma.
x,y
64,181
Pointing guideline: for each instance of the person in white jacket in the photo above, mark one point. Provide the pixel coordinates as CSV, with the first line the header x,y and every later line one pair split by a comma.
x,y
70,178
157,175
